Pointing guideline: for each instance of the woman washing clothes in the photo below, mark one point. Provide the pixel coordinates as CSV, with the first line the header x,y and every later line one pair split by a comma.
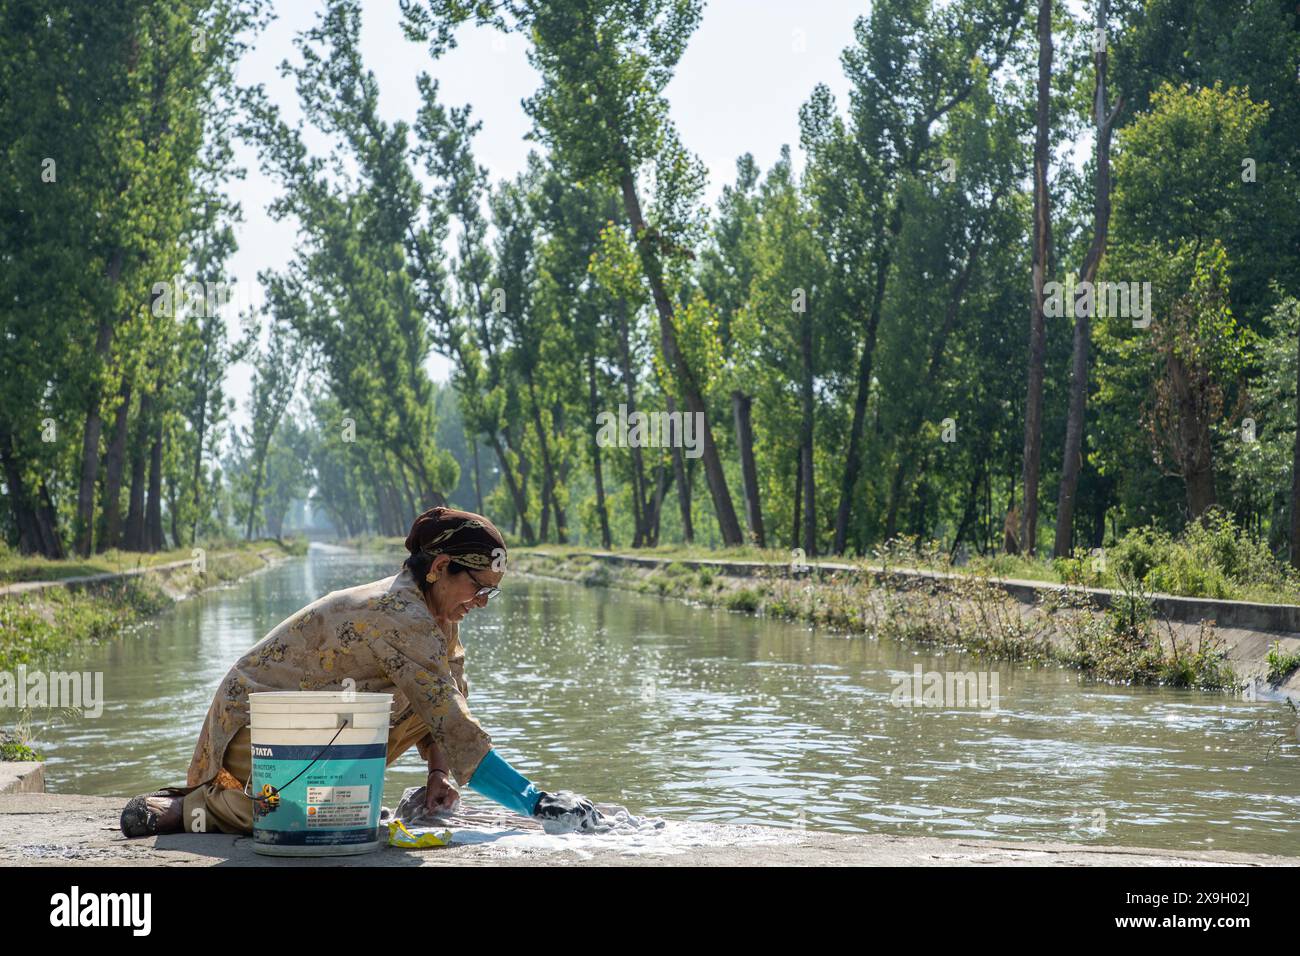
x,y
398,635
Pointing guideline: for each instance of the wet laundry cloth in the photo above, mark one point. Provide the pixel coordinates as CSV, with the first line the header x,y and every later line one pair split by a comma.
x,y
602,818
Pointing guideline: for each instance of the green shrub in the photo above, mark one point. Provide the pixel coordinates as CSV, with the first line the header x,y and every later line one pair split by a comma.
x,y
1081,568
1212,558
595,577
1123,645
17,753
746,599
1281,663
13,747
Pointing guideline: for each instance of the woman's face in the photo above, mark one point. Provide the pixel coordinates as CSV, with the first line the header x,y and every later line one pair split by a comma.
x,y
455,595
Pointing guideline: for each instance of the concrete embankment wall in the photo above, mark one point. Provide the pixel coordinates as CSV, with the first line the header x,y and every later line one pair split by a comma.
x,y
178,577
28,777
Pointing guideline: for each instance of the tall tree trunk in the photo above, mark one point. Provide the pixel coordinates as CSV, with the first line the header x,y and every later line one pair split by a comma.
x,y
395,507
516,492
545,530
1295,472
153,510
662,478
969,513
1072,458
200,436
640,508
408,501
988,508
171,511
20,506
1041,263
728,525
798,498
113,468
478,482
741,407
34,516
84,527
561,476
381,502
806,435
549,503
253,521
47,521
593,409
85,523
853,463
922,500
1195,444
133,536
679,475
1200,491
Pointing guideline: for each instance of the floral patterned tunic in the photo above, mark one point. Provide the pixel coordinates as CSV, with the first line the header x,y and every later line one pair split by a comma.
x,y
379,634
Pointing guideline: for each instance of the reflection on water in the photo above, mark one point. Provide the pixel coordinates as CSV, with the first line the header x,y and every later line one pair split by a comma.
x,y
709,715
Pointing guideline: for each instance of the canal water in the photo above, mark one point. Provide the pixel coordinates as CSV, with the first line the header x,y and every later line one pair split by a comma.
x,y
709,715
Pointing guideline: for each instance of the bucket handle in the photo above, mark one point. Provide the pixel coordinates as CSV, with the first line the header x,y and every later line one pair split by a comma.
x,y
345,720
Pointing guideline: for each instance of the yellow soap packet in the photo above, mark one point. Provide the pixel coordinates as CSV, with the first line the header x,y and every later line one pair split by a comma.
x,y
399,836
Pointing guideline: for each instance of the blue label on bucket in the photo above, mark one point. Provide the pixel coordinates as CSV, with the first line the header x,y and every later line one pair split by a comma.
x,y
334,803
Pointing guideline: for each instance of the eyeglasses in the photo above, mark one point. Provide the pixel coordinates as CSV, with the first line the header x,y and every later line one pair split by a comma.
x,y
485,591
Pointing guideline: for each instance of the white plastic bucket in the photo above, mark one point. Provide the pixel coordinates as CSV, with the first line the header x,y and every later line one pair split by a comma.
x,y
332,807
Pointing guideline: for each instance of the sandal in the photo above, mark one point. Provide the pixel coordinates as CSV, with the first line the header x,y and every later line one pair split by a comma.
x,y
139,819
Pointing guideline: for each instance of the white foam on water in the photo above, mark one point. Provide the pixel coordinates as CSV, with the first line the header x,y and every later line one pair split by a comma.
x,y
502,833
672,838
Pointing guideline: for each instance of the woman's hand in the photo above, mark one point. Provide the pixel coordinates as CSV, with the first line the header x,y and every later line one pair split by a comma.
x,y
439,795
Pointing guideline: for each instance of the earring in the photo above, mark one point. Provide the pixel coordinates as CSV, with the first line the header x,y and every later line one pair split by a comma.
x,y
431,576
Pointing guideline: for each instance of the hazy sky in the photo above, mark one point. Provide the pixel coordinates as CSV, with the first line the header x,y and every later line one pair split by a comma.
x,y
748,68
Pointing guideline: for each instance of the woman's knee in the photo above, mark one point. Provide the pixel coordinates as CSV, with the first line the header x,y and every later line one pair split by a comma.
x,y
238,761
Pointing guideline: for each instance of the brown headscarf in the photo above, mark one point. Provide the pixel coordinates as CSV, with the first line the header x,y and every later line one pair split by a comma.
x,y
471,539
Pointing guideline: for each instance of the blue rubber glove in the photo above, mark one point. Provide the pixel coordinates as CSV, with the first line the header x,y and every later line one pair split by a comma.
x,y
497,780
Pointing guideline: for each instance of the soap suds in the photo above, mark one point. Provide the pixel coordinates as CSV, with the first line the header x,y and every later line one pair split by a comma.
x,y
497,830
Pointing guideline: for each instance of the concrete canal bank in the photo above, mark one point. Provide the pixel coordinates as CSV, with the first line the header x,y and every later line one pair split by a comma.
x,y
179,578
39,829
